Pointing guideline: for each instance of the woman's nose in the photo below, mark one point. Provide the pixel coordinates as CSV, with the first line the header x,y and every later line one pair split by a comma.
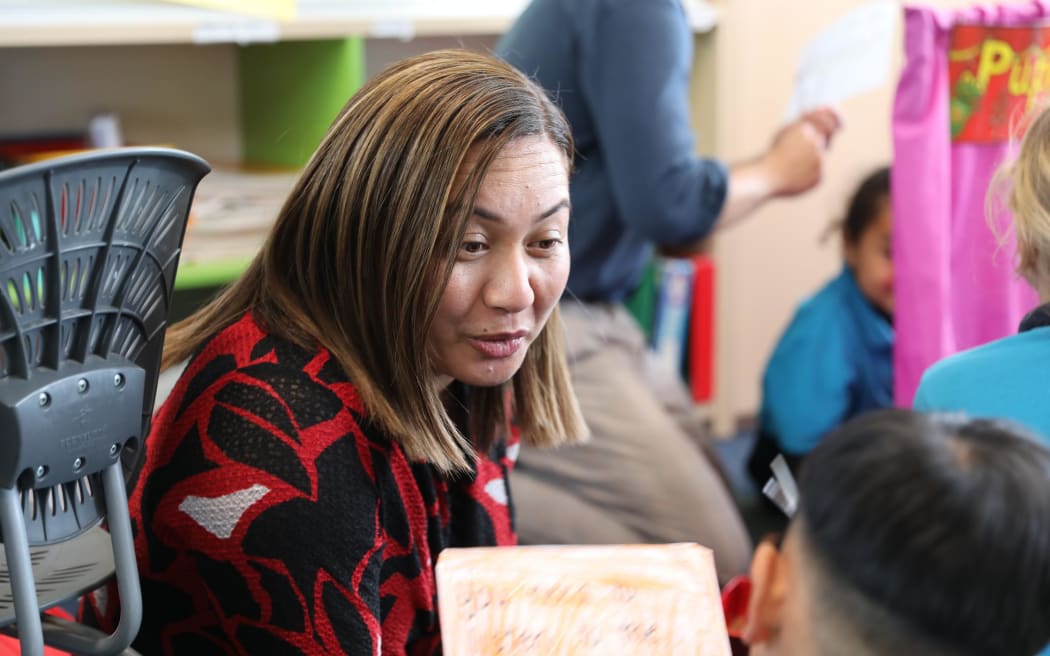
x,y
509,287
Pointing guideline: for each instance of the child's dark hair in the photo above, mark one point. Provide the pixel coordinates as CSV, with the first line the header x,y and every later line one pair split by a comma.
x,y
865,205
938,525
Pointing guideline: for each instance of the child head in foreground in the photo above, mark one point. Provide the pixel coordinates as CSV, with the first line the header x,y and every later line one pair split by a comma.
x,y
915,534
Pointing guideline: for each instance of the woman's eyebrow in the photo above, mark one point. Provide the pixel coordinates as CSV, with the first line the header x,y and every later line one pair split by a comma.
x,y
489,215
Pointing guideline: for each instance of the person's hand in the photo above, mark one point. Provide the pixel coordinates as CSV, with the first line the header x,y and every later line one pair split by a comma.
x,y
826,120
795,160
793,164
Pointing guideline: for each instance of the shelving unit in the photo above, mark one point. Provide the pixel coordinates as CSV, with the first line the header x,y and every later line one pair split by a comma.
x,y
177,75
116,22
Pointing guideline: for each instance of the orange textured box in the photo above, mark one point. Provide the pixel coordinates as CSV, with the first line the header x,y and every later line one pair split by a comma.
x,y
581,600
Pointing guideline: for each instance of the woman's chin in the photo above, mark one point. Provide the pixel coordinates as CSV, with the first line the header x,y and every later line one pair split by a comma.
x,y
487,374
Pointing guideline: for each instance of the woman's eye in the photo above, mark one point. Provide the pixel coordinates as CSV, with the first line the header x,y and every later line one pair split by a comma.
x,y
472,247
547,244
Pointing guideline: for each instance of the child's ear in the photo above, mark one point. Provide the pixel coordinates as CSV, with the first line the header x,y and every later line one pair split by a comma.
x,y
768,590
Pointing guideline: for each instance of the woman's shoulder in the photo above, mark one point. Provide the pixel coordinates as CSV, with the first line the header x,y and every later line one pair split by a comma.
x,y
247,375
246,353
1005,368
1016,353
254,411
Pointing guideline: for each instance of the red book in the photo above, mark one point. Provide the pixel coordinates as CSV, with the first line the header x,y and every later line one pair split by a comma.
x,y
702,330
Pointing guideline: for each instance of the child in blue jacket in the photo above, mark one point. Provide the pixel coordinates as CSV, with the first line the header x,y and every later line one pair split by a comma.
x,y
834,361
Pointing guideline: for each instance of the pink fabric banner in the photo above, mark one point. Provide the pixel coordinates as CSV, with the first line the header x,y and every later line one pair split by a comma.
x,y
955,286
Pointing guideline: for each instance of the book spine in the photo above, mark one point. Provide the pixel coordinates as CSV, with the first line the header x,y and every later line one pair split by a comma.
x,y
671,323
702,331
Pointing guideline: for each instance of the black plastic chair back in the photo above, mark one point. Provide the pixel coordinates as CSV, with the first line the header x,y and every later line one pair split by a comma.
x,y
89,247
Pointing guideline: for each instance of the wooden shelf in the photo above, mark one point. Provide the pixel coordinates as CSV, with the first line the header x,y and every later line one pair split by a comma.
x,y
231,216
220,242
124,22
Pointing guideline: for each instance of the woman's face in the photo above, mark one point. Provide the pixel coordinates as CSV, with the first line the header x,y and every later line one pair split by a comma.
x,y
511,268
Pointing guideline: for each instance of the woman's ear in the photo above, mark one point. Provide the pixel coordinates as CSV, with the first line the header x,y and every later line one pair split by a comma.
x,y
767,594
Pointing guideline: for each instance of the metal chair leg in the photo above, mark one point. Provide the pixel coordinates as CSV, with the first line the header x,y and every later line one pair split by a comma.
x,y
20,570
119,523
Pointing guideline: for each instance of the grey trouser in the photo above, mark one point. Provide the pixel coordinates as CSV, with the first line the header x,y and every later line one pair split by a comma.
x,y
644,475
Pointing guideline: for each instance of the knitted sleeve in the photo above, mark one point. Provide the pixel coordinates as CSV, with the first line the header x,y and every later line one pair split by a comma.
x,y
300,563
257,518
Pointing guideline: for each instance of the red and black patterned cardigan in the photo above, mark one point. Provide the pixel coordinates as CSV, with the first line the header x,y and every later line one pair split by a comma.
x,y
273,518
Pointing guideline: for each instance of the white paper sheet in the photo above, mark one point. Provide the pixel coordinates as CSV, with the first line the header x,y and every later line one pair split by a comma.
x,y
850,57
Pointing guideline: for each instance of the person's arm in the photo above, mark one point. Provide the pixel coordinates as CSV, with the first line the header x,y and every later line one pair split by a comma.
x,y
793,164
635,60
635,70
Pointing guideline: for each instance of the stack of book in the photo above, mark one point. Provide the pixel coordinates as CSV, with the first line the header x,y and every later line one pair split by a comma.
x,y
675,307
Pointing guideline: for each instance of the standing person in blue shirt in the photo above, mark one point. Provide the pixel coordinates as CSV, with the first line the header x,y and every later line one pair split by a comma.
x,y
620,69
1010,377
835,360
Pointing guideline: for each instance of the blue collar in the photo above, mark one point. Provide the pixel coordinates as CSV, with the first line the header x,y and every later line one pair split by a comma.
x,y
873,325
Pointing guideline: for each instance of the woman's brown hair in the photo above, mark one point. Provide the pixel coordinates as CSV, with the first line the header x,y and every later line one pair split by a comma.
x,y
364,246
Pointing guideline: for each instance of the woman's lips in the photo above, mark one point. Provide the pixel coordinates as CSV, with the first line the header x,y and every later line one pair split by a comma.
x,y
502,345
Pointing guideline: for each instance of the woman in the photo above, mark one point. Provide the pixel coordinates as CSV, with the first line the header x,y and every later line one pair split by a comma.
x,y
1007,378
345,413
